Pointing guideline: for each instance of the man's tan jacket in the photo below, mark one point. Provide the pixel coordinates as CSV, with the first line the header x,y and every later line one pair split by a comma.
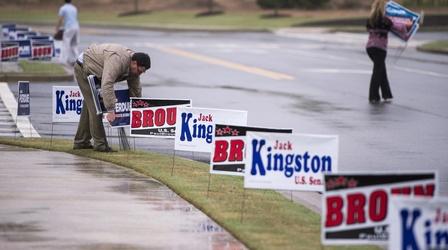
x,y
110,63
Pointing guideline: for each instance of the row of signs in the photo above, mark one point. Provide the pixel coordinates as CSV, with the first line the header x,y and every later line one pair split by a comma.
x,y
23,43
275,158
356,208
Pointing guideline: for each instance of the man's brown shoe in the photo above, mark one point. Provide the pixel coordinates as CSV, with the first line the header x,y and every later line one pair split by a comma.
x,y
82,146
106,149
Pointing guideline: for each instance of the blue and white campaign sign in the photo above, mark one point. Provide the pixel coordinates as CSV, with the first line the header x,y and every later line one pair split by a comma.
x,y
406,22
289,161
67,103
155,117
195,127
7,27
229,149
26,35
23,100
122,109
355,206
13,31
418,224
24,48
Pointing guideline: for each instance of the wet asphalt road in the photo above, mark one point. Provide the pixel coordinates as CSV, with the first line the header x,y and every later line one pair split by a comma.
x,y
52,200
313,83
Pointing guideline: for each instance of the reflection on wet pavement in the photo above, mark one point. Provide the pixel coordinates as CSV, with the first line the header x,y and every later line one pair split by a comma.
x,y
55,200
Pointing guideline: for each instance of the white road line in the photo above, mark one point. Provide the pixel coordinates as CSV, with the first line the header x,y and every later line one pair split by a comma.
x,y
421,72
339,71
22,122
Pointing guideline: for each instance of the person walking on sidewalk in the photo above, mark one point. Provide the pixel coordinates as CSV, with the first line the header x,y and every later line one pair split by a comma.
x,y
68,15
111,63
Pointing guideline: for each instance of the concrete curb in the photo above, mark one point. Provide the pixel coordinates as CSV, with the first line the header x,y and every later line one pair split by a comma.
x,y
154,28
14,77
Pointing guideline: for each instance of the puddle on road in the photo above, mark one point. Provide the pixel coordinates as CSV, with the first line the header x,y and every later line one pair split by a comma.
x,y
8,227
21,232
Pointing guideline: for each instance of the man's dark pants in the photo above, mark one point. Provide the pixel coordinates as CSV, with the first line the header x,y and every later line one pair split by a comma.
x,y
90,124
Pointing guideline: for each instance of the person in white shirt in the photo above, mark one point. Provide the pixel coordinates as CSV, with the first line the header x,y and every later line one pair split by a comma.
x,y
68,15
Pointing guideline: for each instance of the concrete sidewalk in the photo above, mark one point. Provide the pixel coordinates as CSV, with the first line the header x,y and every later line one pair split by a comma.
x,y
52,200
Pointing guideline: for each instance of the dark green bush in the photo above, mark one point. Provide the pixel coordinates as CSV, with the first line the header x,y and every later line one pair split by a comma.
x,y
289,4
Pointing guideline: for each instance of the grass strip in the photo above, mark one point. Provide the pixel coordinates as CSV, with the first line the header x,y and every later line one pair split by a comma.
x,y
440,46
41,68
180,19
268,221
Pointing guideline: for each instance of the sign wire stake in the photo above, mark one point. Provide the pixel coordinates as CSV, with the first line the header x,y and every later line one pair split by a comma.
x,y
51,136
209,181
174,159
243,205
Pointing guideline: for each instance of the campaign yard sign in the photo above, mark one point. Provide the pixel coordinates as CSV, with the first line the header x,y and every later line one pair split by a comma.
x,y
289,161
13,31
7,27
24,48
152,117
355,206
122,109
67,104
402,18
195,127
122,105
418,224
42,49
9,51
228,154
23,99
95,89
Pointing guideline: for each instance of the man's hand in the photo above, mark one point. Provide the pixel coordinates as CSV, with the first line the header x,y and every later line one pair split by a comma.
x,y
110,116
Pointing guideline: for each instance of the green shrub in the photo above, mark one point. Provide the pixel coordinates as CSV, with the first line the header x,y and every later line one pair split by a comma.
x,y
289,4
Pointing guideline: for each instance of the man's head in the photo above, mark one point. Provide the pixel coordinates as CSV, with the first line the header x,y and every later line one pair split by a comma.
x,y
68,1
140,62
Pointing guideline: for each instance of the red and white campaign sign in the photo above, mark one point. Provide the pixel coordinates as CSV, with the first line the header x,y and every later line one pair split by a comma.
x,y
228,154
418,223
289,161
42,50
355,206
9,51
152,117
195,129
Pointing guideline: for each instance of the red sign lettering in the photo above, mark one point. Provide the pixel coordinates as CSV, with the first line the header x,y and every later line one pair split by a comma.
x,y
220,154
235,152
334,214
149,118
136,119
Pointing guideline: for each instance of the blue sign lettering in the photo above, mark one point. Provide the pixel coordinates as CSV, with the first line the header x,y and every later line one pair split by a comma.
x,y
199,130
64,103
287,163
408,238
